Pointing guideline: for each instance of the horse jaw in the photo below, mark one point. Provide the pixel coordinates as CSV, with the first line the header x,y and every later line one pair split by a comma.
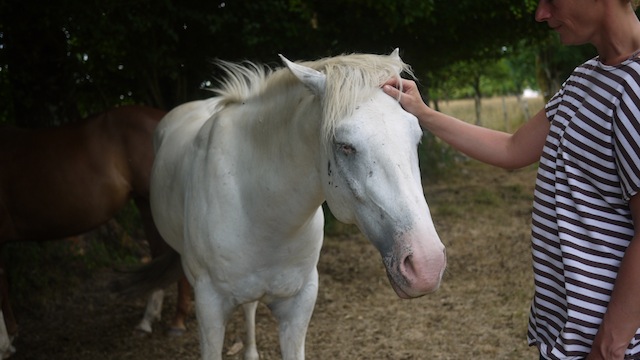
x,y
412,253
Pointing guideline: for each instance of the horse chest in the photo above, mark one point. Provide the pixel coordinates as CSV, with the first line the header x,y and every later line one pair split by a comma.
x,y
271,284
247,269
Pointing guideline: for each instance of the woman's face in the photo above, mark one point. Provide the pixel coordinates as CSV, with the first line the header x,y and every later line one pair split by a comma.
x,y
576,21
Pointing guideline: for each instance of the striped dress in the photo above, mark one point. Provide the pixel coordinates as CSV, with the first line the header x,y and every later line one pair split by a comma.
x,y
581,223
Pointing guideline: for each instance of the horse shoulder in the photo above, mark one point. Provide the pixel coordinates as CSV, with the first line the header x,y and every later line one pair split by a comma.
x,y
173,142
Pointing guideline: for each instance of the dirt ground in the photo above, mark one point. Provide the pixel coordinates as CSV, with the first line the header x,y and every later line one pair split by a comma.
x,y
480,311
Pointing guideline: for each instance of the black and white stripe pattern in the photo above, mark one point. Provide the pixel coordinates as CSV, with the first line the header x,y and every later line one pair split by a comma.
x,y
581,222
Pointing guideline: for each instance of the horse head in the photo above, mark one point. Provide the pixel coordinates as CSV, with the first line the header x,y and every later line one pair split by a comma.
x,y
371,176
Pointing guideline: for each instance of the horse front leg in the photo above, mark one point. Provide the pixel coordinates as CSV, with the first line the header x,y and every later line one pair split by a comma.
x,y
251,351
213,312
293,316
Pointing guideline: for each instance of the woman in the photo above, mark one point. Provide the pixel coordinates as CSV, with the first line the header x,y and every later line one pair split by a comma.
x,y
586,216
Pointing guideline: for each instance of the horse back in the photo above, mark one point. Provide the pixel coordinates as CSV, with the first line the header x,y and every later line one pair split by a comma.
x,y
62,181
132,129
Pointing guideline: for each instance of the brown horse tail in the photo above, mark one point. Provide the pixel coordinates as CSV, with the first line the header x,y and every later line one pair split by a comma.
x,y
157,274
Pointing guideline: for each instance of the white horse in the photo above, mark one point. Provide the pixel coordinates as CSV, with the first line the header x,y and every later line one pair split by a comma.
x,y
239,180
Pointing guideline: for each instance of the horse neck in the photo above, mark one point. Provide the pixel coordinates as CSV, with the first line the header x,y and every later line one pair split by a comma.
x,y
284,130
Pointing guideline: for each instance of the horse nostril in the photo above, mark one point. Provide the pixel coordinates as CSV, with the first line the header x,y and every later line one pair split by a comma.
x,y
409,270
408,265
423,274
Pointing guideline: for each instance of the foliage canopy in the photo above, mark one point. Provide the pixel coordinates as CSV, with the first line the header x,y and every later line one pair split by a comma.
x,y
64,59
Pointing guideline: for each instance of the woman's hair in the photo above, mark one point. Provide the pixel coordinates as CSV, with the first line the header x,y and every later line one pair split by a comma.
x,y
634,3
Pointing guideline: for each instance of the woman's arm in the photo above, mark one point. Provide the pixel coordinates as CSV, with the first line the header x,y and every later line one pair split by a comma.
x,y
509,151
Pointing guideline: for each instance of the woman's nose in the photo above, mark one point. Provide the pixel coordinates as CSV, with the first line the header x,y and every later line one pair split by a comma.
x,y
542,11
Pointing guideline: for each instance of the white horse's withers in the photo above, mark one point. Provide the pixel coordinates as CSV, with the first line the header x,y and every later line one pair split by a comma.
x,y
239,180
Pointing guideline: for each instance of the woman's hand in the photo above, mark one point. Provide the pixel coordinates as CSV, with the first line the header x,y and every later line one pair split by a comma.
x,y
409,97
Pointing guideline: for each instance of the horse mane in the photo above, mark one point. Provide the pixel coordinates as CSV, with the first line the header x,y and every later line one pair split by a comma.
x,y
351,79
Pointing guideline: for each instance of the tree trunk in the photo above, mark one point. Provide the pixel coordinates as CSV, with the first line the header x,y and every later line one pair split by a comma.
x,y
477,97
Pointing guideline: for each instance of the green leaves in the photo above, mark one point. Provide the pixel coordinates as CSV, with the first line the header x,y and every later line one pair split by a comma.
x,y
158,52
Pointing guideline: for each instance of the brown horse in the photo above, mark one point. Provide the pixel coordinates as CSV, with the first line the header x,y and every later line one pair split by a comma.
x,y
64,181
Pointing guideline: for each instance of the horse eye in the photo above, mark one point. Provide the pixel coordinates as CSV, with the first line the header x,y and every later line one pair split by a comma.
x,y
346,149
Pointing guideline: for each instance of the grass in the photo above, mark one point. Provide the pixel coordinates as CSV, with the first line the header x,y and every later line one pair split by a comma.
x,y
483,214
498,113
50,268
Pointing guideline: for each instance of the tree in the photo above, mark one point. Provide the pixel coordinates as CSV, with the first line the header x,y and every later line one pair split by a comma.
x,y
555,62
36,58
88,56
62,59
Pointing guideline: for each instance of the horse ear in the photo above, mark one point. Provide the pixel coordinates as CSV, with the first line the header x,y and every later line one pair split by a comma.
x,y
395,55
314,80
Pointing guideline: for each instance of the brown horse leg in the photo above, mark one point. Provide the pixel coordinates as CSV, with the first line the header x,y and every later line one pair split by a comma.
x,y
183,310
7,311
8,324
158,246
